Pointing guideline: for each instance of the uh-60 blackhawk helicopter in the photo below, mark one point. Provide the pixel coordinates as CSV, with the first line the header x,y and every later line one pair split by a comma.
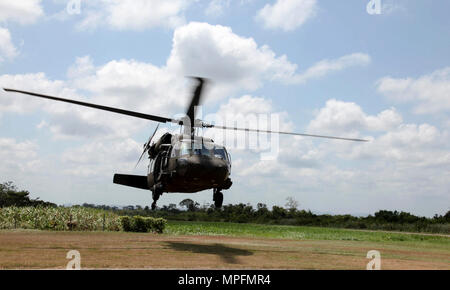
x,y
184,163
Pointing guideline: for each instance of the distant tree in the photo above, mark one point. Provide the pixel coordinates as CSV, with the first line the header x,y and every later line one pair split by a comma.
x,y
189,204
260,206
262,212
172,207
291,204
10,195
278,212
205,206
386,216
195,207
186,203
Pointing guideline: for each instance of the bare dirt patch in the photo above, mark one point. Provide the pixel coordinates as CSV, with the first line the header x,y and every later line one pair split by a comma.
x,y
40,249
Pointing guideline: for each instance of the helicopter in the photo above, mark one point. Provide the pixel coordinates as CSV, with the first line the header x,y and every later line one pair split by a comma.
x,y
184,163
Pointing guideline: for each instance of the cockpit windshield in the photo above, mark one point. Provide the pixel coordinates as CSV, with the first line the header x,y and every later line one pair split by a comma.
x,y
220,153
202,151
211,150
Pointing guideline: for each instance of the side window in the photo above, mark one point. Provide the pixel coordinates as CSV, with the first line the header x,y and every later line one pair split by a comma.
x,y
166,156
228,155
185,149
150,166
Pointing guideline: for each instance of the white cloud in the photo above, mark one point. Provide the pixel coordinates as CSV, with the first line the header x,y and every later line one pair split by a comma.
x,y
34,82
251,109
132,84
7,49
234,62
65,120
408,146
83,67
215,7
216,52
326,66
17,156
405,166
23,11
133,14
247,112
430,93
100,157
339,117
404,148
405,163
287,14
246,105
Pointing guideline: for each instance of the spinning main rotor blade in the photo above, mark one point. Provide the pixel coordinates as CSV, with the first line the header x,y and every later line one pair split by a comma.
x,y
194,102
100,107
279,132
196,98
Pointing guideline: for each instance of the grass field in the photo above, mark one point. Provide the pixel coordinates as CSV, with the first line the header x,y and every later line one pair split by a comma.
x,y
201,245
299,233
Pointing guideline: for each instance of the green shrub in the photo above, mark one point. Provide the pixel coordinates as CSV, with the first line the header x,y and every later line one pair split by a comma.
x,y
158,225
126,223
143,224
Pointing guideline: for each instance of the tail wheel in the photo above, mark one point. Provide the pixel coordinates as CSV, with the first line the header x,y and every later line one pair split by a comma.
x,y
156,193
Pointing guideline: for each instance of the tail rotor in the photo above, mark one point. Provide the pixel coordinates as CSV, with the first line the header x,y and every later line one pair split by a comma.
x,y
147,145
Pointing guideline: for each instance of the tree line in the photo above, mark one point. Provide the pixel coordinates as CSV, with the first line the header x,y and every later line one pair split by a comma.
x,y
10,195
189,210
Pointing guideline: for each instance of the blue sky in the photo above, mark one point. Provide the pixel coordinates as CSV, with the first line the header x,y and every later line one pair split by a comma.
x,y
327,67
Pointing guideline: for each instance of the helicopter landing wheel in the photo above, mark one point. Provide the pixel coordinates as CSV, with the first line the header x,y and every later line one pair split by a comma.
x,y
157,192
218,198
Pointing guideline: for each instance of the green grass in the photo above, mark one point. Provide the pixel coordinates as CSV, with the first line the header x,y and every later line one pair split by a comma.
x,y
299,233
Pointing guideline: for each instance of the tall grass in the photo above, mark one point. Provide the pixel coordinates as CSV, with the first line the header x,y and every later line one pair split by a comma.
x,y
58,218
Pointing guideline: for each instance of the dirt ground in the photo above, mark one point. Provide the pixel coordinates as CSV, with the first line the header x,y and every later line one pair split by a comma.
x,y
47,250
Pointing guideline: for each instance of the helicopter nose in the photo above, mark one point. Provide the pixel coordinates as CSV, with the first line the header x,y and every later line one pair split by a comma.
x,y
215,174
219,171
208,169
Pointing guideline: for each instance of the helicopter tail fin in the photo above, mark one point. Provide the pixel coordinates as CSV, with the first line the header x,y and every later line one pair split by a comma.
x,y
137,181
